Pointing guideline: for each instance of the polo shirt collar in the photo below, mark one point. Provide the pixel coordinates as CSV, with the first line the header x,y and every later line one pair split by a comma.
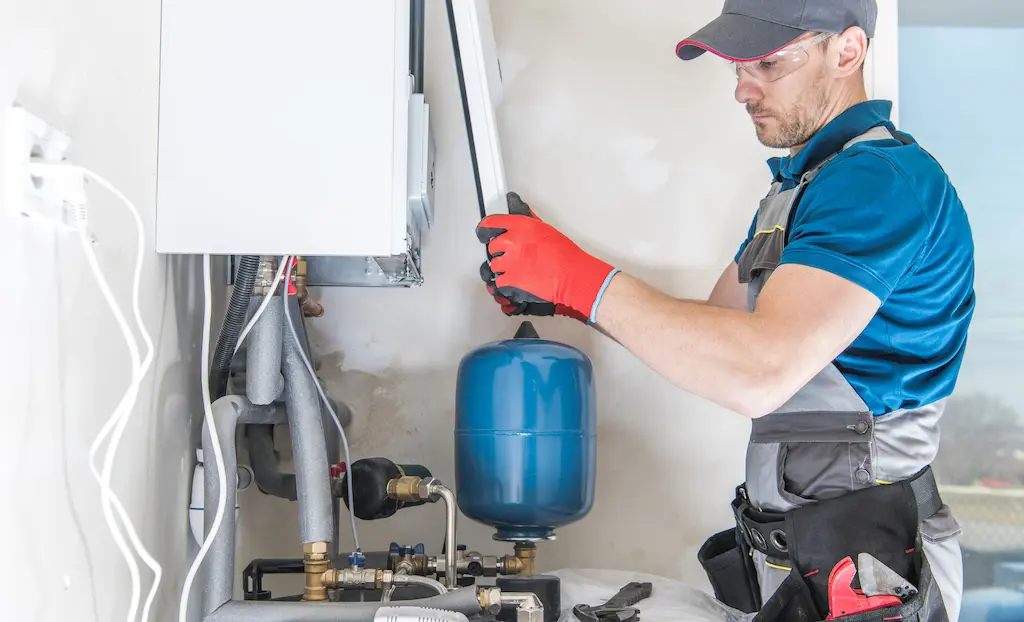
x,y
830,139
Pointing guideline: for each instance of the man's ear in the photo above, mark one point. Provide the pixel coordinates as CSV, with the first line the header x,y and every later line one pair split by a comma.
x,y
852,47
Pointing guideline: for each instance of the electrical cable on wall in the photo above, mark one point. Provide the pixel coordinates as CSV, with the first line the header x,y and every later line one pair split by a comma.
x,y
118,421
323,397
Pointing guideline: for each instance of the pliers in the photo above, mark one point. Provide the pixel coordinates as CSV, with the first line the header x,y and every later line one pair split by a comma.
x,y
619,608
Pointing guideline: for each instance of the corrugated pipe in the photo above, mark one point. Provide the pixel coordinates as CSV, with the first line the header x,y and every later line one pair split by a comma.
x,y
234,321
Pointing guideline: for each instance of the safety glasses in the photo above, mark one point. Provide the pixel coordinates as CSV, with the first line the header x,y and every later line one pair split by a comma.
x,y
782,63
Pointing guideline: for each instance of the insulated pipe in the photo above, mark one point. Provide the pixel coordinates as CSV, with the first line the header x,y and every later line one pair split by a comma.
x,y
309,447
234,320
228,412
265,466
269,477
263,382
464,600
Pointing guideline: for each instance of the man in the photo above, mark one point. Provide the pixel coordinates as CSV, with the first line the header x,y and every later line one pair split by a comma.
x,y
839,328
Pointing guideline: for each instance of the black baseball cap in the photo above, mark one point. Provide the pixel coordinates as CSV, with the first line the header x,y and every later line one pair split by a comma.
x,y
750,30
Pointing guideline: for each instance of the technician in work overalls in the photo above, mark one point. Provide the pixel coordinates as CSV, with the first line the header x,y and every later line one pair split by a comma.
x,y
839,328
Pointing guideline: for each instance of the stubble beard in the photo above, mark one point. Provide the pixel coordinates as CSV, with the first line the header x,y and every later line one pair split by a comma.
x,y
798,125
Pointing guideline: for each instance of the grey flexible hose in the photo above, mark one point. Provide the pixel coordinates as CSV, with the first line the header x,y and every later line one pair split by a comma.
x,y
402,613
234,321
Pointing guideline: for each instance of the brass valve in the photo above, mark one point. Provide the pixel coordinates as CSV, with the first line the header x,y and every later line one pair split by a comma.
x,y
352,578
316,564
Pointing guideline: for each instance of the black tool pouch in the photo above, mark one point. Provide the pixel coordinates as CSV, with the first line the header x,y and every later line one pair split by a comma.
x,y
792,602
726,560
882,521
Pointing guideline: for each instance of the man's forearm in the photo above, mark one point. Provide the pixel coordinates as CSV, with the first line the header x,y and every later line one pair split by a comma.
x,y
713,352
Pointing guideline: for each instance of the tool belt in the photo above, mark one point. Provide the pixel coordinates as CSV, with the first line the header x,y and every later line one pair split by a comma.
x,y
811,540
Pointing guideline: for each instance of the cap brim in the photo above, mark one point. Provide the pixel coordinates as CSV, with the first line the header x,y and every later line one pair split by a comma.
x,y
738,38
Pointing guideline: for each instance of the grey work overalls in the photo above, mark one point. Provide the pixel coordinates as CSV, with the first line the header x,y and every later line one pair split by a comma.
x,y
824,443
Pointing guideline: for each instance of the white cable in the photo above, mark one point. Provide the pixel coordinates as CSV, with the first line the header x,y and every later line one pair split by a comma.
x,y
119,419
266,301
222,478
327,403
106,494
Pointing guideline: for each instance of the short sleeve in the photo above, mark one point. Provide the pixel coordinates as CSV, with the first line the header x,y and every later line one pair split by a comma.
x,y
860,220
750,236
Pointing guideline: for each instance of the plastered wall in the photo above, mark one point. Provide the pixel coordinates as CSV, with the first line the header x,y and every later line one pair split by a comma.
x,y
90,68
642,159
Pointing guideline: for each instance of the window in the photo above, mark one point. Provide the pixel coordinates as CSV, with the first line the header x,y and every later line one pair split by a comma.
x,y
960,96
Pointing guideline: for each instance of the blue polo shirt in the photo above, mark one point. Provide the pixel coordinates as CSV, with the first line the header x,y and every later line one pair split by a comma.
x,y
885,216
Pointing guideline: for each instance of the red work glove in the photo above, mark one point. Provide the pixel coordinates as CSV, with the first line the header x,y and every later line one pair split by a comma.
x,y
530,308
532,263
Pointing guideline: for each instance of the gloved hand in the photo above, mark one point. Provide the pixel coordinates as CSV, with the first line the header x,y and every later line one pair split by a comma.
x,y
536,270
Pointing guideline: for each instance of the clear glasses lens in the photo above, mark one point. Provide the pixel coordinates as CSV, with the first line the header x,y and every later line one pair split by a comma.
x,y
774,67
780,64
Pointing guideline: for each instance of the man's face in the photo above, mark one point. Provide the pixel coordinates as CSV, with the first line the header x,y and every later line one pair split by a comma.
x,y
787,111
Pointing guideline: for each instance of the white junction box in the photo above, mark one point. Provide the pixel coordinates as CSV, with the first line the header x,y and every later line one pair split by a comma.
x,y
31,188
290,128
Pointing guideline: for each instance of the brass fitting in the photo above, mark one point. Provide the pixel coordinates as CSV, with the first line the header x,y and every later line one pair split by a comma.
x,y
490,599
332,579
405,488
522,563
300,275
350,578
315,564
310,307
410,488
265,275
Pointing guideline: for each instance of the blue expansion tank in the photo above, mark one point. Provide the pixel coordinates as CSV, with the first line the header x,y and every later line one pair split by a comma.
x,y
525,436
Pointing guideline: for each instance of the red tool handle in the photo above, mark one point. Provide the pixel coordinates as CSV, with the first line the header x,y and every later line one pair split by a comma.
x,y
843,600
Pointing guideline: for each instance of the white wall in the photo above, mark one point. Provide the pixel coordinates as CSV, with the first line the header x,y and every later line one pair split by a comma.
x,y
91,68
641,158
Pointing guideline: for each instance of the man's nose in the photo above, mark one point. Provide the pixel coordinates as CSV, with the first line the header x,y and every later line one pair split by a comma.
x,y
747,88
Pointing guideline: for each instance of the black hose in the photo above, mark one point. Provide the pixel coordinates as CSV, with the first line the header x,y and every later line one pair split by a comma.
x,y
465,110
265,466
417,11
234,320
